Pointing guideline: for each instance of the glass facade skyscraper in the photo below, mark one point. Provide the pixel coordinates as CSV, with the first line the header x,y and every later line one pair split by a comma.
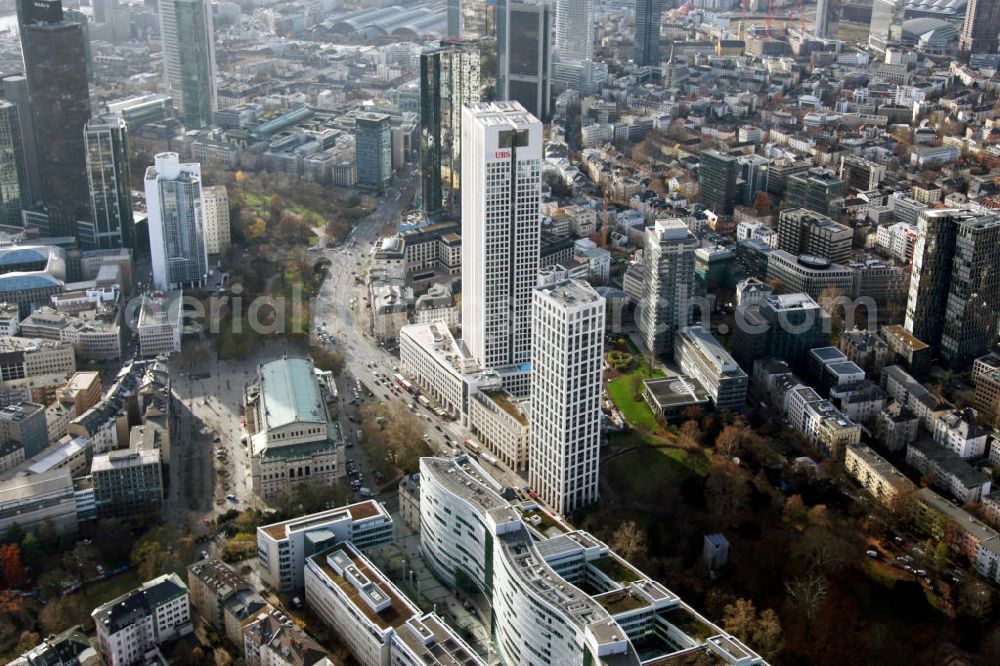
x,y
110,223
55,67
574,29
449,78
373,149
188,39
647,31
524,45
12,172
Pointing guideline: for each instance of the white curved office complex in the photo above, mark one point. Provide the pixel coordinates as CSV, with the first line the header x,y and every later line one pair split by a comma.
x,y
558,596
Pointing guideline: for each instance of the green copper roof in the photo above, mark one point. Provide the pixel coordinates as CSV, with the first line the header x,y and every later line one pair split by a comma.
x,y
290,392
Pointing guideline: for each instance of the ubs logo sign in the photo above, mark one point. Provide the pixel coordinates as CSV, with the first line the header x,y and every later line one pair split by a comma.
x,y
502,154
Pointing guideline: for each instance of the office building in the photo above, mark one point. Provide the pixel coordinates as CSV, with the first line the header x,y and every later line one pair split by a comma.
x,y
822,18
954,294
471,19
15,190
15,91
647,32
176,223
215,200
803,231
717,178
291,437
128,627
981,27
374,619
567,351
188,40
438,364
809,273
32,369
574,29
558,596
783,326
818,189
986,379
700,356
501,226
373,149
161,322
128,483
669,284
81,392
861,174
499,422
524,51
449,79
38,499
55,65
25,422
282,548
886,27
110,224
972,312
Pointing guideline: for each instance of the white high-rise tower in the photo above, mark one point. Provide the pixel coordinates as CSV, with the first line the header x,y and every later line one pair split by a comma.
x,y
567,345
501,192
666,303
822,18
176,223
574,29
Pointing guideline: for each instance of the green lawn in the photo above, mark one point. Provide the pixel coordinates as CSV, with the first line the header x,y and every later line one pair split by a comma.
x,y
636,412
641,473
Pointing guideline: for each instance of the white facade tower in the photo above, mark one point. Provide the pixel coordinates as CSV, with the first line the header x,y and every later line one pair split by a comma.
x,y
567,345
666,301
501,191
574,29
822,18
176,223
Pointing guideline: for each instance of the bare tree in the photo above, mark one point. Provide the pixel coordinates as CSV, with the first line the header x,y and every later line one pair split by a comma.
x,y
806,594
629,541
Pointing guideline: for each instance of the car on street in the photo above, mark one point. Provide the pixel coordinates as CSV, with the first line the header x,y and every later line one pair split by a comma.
x,y
231,497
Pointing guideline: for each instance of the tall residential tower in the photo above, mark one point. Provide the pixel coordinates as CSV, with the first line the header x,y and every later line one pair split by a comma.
x,y
666,301
567,350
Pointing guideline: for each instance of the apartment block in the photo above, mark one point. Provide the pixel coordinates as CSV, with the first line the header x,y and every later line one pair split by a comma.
x,y
959,433
877,475
947,471
962,532
222,597
133,624
986,379
129,482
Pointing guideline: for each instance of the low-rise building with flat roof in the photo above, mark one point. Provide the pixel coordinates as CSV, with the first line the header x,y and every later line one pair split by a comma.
x,y
160,322
500,422
915,354
282,548
700,356
34,499
377,622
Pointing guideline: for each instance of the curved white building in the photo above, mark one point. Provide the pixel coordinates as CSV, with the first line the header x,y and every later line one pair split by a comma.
x,y
558,596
